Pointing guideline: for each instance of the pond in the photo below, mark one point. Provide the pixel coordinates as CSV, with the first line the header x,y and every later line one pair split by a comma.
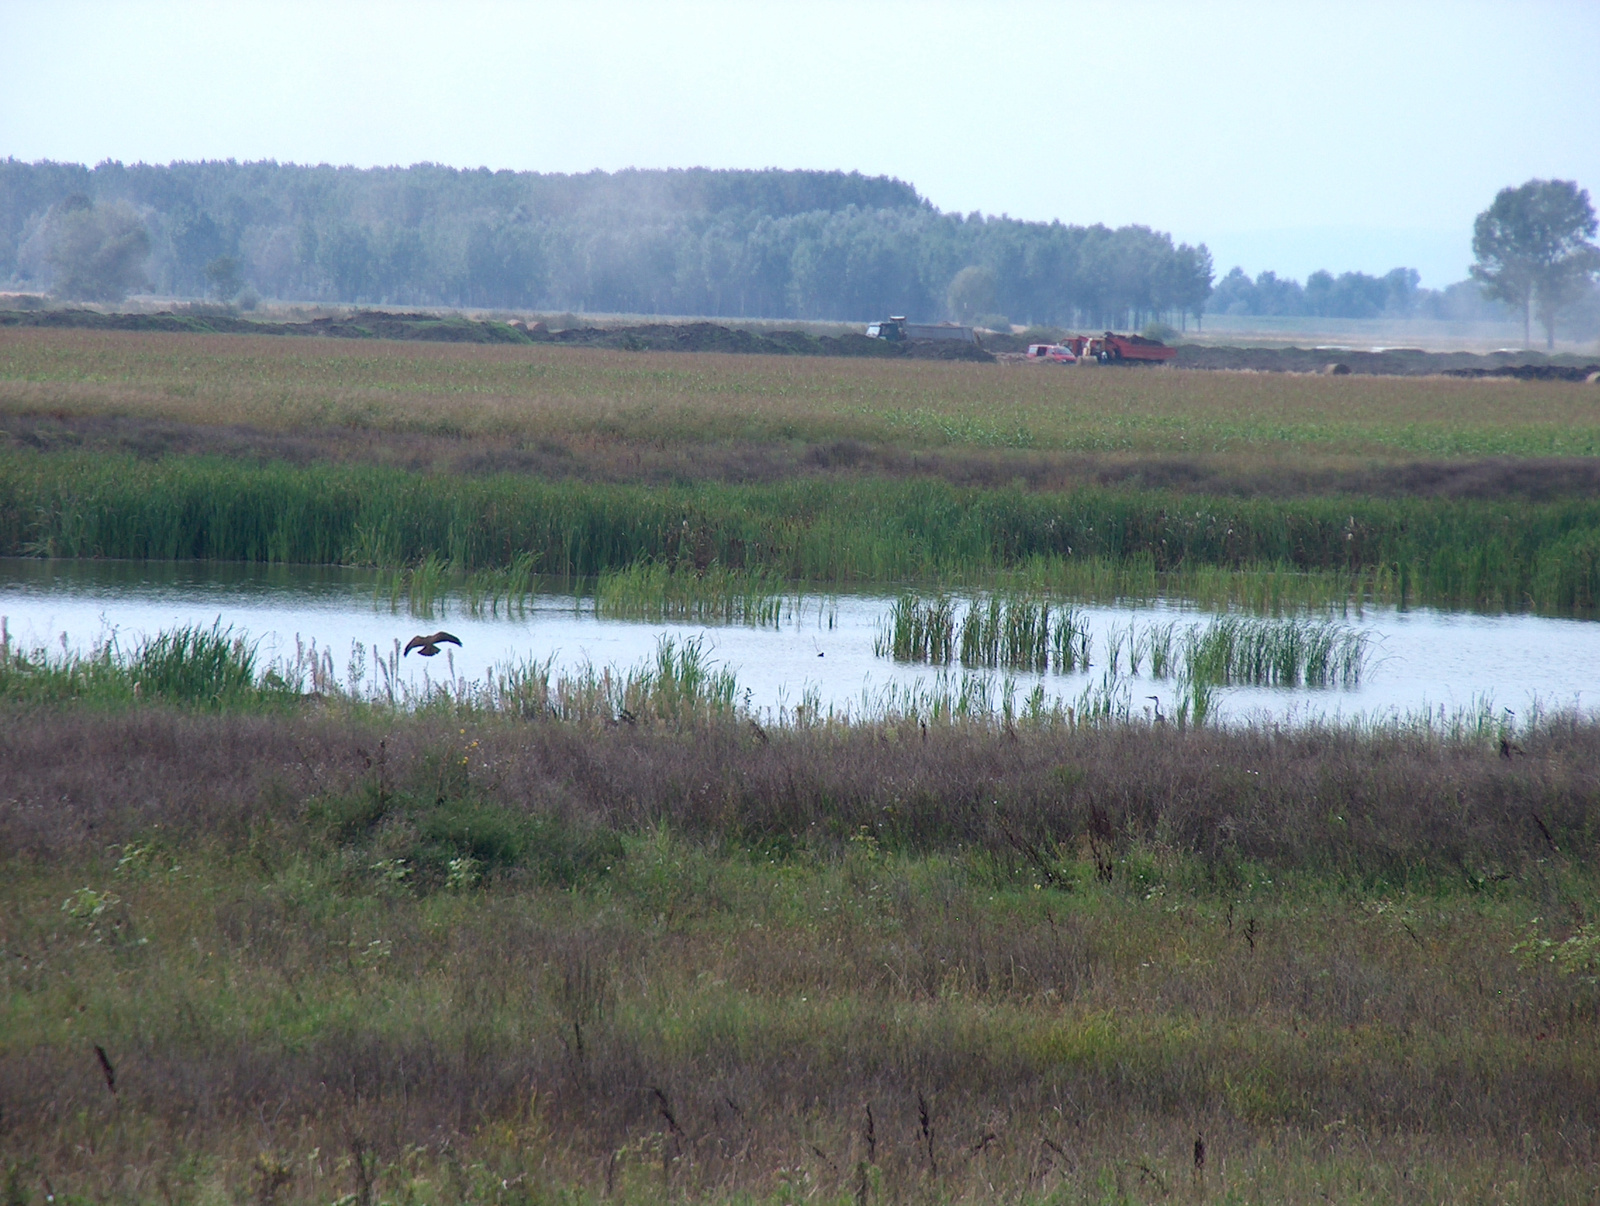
x,y
822,651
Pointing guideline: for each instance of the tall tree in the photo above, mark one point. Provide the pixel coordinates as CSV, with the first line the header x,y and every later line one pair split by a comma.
x,y
97,251
972,292
1192,274
1532,247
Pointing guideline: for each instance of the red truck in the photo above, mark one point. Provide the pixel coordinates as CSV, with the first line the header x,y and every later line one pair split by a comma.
x,y
1111,348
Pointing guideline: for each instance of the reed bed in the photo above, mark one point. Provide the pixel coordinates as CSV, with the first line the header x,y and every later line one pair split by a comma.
x,y
1069,640
1506,553
1023,634
1010,633
1275,653
918,630
649,590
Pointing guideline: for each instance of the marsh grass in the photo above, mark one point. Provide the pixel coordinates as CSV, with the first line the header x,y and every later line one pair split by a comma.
x,y
190,666
1024,634
716,595
1040,963
1093,542
1069,641
1275,653
918,630
1007,633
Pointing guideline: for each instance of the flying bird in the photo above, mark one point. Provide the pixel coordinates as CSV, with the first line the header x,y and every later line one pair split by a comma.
x,y
428,646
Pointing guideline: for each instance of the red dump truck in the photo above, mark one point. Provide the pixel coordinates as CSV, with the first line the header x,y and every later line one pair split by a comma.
x,y
1112,348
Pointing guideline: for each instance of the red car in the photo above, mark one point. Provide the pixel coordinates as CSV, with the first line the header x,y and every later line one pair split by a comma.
x,y
1054,352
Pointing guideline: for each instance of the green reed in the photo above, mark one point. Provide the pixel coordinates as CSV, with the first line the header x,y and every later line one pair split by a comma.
x,y
1069,641
1275,653
650,590
918,630
1027,635
1013,633
1261,555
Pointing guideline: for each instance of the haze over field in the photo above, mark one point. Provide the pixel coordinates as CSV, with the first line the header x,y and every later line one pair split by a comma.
x,y
1345,137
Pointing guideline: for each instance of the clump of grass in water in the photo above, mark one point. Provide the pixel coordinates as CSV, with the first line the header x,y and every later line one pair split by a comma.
x,y
649,590
1069,641
1275,653
1013,633
918,630
1158,643
423,587
486,591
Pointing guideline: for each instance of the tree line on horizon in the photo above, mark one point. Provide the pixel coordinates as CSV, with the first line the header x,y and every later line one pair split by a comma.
x,y
753,244
768,244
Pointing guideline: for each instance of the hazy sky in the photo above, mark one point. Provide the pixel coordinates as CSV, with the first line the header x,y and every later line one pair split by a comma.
x,y
1287,135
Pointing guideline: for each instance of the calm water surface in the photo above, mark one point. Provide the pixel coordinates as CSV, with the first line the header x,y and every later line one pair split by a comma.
x,y
1421,659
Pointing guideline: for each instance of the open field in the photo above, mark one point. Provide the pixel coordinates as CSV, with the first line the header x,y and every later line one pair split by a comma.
x,y
358,957
524,397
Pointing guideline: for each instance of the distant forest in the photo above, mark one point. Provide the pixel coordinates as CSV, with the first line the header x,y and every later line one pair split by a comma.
x,y
753,244
1349,295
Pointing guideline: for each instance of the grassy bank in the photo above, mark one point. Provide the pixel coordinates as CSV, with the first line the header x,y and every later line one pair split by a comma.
x,y
335,956
1504,553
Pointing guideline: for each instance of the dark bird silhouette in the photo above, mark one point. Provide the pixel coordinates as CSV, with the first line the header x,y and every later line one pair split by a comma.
x,y
1509,747
428,646
1199,1151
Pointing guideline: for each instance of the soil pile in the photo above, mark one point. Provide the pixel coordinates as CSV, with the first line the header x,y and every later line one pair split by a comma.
x,y
667,337
378,324
1389,362
363,324
1532,372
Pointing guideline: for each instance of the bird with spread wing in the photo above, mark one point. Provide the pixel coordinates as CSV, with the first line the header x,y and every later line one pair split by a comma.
x,y
428,646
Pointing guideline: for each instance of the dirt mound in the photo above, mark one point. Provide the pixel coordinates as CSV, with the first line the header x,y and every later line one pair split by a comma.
x,y
197,324
378,324
669,337
365,324
712,337
1533,372
946,349
853,343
